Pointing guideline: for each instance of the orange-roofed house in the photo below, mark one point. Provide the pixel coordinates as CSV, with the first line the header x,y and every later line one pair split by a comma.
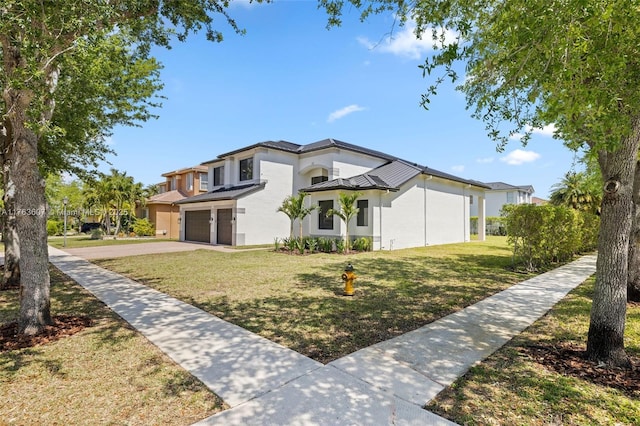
x,y
161,209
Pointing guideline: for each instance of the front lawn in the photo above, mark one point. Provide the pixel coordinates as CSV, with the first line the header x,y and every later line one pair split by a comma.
x,y
80,241
539,378
297,300
105,374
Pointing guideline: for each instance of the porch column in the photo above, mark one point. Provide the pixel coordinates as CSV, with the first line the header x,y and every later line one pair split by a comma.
x,y
482,222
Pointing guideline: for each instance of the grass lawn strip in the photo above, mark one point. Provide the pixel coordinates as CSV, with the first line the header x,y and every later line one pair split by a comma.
x,y
81,241
105,374
297,300
518,385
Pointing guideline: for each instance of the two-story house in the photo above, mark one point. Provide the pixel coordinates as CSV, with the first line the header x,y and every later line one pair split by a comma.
x,y
500,193
162,210
402,204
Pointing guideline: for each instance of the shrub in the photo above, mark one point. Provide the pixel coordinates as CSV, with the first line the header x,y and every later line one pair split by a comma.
x,y
362,244
541,235
97,234
312,244
144,228
55,227
276,244
340,246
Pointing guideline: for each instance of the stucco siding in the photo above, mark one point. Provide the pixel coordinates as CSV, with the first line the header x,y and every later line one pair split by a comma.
x,y
404,217
257,221
447,214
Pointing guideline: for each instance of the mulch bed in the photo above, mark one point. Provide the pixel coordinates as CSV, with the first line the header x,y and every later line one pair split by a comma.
x,y
63,326
569,360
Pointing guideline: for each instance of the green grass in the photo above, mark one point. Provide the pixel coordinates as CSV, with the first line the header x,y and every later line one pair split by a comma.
x,y
297,300
106,374
509,387
80,241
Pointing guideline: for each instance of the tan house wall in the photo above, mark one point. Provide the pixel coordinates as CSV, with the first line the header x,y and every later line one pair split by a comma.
x,y
165,219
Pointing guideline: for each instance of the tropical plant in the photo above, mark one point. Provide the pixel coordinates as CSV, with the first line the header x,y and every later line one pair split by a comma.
x,y
347,210
293,206
577,191
143,228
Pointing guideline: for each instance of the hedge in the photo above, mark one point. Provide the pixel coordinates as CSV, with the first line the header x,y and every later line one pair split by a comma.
x,y
542,235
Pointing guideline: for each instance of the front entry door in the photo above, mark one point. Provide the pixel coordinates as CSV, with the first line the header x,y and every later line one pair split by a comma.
x,y
224,226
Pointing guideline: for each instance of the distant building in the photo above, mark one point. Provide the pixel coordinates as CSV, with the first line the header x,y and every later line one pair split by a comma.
x,y
501,193
161,209
539,201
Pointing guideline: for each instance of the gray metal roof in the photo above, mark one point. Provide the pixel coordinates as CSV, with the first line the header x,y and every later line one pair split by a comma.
x,y
389,176
295,148
501,186
231,193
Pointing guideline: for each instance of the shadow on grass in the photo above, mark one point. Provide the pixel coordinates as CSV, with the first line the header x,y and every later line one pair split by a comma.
x,y
393,296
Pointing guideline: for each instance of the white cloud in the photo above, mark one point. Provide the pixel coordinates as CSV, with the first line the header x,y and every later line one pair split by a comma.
x,y
485,160
519,156
405,42
335,115
547,130
458,168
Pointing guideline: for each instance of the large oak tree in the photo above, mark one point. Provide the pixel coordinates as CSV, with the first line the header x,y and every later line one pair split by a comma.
x,y
41,49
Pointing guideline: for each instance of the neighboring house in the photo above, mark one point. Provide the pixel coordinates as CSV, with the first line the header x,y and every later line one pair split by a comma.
x,y
402,204
501,193
161,209
539,201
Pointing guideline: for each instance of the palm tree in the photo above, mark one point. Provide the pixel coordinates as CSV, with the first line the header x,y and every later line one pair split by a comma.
x,y
293,206
347,211
578,191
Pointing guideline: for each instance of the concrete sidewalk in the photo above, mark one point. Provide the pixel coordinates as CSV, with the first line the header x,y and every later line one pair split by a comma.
x,y
265,383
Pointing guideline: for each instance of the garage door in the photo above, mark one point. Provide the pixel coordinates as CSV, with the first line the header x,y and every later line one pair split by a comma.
x,y
196,226
225,226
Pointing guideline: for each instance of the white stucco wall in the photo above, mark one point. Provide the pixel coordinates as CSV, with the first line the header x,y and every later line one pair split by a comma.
x,y
257,221
447,213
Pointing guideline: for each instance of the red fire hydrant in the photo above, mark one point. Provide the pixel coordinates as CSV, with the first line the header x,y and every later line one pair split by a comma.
x,y
348,277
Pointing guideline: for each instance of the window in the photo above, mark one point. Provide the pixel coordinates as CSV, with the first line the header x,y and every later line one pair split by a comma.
x,y
510,198
189,182
218,176
325,222
246,169
318,179
204,181
173,183
470,199
363,213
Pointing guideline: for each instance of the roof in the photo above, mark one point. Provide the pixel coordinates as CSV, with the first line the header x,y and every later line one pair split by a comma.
x,y
501,186
389,176
168,197
230,193
295,148
199,168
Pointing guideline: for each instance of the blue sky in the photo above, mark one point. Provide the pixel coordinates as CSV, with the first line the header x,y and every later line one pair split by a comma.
x,y
289,78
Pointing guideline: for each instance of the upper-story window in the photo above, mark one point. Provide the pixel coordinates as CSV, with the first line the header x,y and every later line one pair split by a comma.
x,y
246,169
218,176
173,183
189,182
318,179
510,198
204,181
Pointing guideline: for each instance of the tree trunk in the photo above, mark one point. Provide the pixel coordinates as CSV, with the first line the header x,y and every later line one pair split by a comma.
x,y
608,311
31,215
633,281
11,274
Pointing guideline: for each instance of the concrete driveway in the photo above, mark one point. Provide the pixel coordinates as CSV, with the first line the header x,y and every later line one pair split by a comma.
x,y
124,250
